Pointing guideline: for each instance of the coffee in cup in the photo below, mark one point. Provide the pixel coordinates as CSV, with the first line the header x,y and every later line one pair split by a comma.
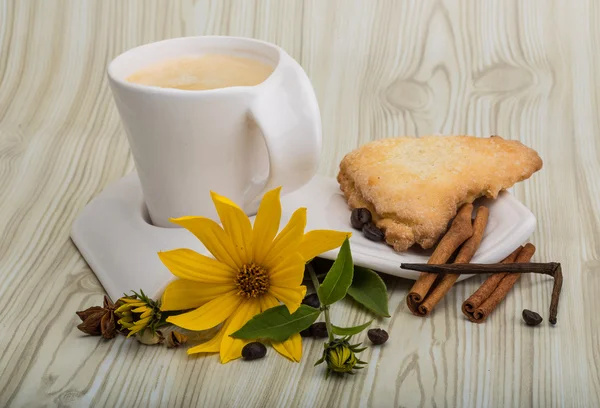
x,y
209,71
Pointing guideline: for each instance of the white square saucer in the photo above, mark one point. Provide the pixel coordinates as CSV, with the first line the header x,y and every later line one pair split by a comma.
x,y
120,245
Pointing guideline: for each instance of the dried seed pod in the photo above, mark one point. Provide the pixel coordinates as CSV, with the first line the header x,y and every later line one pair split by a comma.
x,y
359,217
92,323
175,339
312,300
378,336
319,330
108,326
98,320
253,351
84,314
373,233
150,338
531,318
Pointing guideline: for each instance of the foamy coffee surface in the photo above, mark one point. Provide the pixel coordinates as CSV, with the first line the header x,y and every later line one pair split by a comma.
x,y
209,71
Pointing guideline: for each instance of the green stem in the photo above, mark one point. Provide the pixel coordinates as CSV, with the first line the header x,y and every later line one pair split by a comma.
x,y
325,309
313,277
328,324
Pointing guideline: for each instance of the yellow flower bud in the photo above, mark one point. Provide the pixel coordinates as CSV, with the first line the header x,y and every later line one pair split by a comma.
x,y
340,357
137,313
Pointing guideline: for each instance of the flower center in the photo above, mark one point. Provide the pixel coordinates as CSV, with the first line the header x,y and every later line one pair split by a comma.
x,y
252,281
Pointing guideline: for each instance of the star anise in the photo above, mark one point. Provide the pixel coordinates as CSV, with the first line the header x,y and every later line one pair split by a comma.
x,y
98,320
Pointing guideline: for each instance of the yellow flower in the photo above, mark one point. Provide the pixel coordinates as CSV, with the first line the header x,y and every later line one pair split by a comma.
x,y
254,268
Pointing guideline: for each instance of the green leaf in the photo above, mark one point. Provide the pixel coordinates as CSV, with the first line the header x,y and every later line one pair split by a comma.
x,y
369,290
338,279
277,323
319,361
350,331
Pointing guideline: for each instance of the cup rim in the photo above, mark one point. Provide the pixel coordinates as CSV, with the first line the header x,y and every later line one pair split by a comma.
x,y
175,91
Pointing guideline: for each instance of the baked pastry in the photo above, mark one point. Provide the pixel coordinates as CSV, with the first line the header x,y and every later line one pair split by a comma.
x,y
414,186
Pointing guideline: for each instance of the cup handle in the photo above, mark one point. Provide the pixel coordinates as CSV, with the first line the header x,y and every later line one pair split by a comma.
x,y
287,113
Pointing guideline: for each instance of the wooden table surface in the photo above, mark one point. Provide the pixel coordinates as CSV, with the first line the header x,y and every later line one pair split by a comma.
x,y
525,70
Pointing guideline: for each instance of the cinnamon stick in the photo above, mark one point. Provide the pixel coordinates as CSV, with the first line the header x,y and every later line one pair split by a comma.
x,y
481,313
552,269
460,230
466,253
487,287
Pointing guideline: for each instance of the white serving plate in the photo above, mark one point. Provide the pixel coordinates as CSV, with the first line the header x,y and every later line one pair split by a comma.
x,y
120,245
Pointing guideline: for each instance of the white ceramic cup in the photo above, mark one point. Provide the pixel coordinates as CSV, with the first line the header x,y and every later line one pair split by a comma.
x,y
239,141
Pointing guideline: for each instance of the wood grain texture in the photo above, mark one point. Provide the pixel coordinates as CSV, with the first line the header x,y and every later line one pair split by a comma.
x,y
525,70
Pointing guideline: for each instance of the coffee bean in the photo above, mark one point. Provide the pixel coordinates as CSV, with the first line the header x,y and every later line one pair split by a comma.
x,y
306,333
359,217
373,233
531,318
378,336
319,330
312,300
253,351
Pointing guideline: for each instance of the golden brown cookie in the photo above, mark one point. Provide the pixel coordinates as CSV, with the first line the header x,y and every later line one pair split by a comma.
x,y
414,186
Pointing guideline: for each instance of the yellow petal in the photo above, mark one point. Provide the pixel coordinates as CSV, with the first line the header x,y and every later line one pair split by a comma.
x,y
267,301
208,315
232,348
140,309
290,348
142,322
287,240
125,324
236,224
317,242
290,297
134,330
266,224
123,308
289,273
182,294
187,264
211,346
128,300
214,239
